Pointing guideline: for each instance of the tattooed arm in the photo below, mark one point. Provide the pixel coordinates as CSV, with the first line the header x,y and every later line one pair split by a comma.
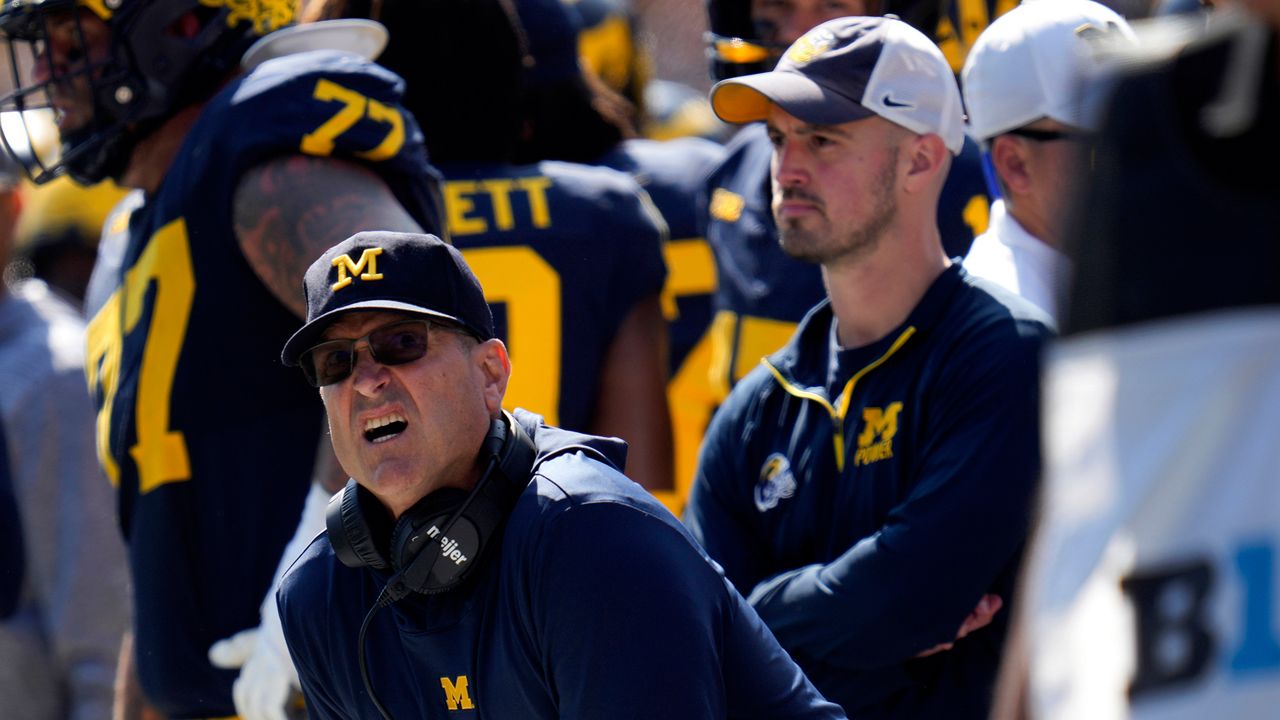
x,y
288,211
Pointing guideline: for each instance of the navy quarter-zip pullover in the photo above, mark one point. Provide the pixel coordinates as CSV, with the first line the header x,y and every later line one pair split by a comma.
x,y
596,603
865,499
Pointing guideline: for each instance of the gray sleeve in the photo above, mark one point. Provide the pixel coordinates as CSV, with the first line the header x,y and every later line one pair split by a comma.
x,y
76,573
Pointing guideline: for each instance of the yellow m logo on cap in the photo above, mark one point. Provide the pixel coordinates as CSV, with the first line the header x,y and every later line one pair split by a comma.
x,y
455,693
349,269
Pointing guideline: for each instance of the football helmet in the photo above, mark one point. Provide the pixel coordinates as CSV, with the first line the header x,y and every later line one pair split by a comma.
x,y
608,46
737,44
111,71
734,45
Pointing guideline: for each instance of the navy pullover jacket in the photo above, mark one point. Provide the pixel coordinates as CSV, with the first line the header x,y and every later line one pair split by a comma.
x,y
865,499
596,604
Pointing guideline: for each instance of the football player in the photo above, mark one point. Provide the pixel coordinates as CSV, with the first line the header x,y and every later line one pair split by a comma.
x,y
569,254
59,229
244,172
611,48
672,172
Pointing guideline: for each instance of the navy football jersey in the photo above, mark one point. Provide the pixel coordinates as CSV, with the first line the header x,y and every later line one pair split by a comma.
x,y
564,252
209,438
674,173
762,292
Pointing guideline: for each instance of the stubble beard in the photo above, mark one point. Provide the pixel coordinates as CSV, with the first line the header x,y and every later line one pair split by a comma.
x,y
827,244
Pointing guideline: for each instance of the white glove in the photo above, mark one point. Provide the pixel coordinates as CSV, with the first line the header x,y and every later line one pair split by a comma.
x,y
267,676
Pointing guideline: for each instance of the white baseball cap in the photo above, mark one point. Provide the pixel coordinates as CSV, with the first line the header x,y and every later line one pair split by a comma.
x,y
1033,62
851,68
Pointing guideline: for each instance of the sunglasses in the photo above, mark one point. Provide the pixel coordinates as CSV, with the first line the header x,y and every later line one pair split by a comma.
x,y
1046,135
396,344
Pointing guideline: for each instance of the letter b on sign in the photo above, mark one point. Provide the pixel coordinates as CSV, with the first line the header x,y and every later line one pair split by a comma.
x,y
1173,643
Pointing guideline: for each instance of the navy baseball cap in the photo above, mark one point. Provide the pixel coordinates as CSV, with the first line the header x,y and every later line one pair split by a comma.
x,y
849,69
404,272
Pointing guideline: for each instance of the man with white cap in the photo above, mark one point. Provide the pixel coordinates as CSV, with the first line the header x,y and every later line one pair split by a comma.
x,y
868,485
1151,585
1024,83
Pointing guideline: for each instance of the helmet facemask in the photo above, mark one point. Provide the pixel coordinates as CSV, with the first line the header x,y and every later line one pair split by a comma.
x,y
112,71
61,114
735,44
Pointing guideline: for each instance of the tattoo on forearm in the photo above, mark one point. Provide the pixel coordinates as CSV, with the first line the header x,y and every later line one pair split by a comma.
x,y
289,211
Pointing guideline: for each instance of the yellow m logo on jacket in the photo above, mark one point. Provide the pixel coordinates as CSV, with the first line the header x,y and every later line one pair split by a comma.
x,y
876,440
455,693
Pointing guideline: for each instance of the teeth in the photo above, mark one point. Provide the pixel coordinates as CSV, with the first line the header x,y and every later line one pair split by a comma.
x,y
375,423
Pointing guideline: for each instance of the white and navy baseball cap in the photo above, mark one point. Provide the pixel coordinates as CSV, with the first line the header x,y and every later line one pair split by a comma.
x,y
1034,62
849,69
410,273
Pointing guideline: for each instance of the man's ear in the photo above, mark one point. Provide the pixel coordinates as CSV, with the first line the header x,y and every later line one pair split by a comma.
x,y
495,366
927,159
1008,157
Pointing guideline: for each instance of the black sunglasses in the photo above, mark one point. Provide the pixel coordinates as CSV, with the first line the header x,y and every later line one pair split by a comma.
x,y
398,343
1047,135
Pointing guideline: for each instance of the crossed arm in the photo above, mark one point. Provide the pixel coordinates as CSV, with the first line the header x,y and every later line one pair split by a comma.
x,y
921,581
288,212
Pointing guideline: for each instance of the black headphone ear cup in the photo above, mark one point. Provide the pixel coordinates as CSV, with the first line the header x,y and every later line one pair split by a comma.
x,y
435,543
496,439
348,520
515,457
406,542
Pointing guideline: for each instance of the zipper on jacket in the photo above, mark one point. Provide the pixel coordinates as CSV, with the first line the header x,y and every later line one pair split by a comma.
x,y
838,416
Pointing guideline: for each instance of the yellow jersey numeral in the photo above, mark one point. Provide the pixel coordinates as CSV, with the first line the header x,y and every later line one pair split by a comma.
x,y
520,278
160,453
354,106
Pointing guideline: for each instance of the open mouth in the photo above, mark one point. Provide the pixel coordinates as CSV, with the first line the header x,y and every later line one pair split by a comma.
x,y
384,428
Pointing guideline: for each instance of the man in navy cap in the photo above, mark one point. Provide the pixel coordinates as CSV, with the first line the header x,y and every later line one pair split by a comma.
x,y
868,485
527,576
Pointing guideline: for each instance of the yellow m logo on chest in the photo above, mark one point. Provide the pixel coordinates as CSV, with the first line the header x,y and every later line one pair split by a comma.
x,y
456,695
876,440
366,268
